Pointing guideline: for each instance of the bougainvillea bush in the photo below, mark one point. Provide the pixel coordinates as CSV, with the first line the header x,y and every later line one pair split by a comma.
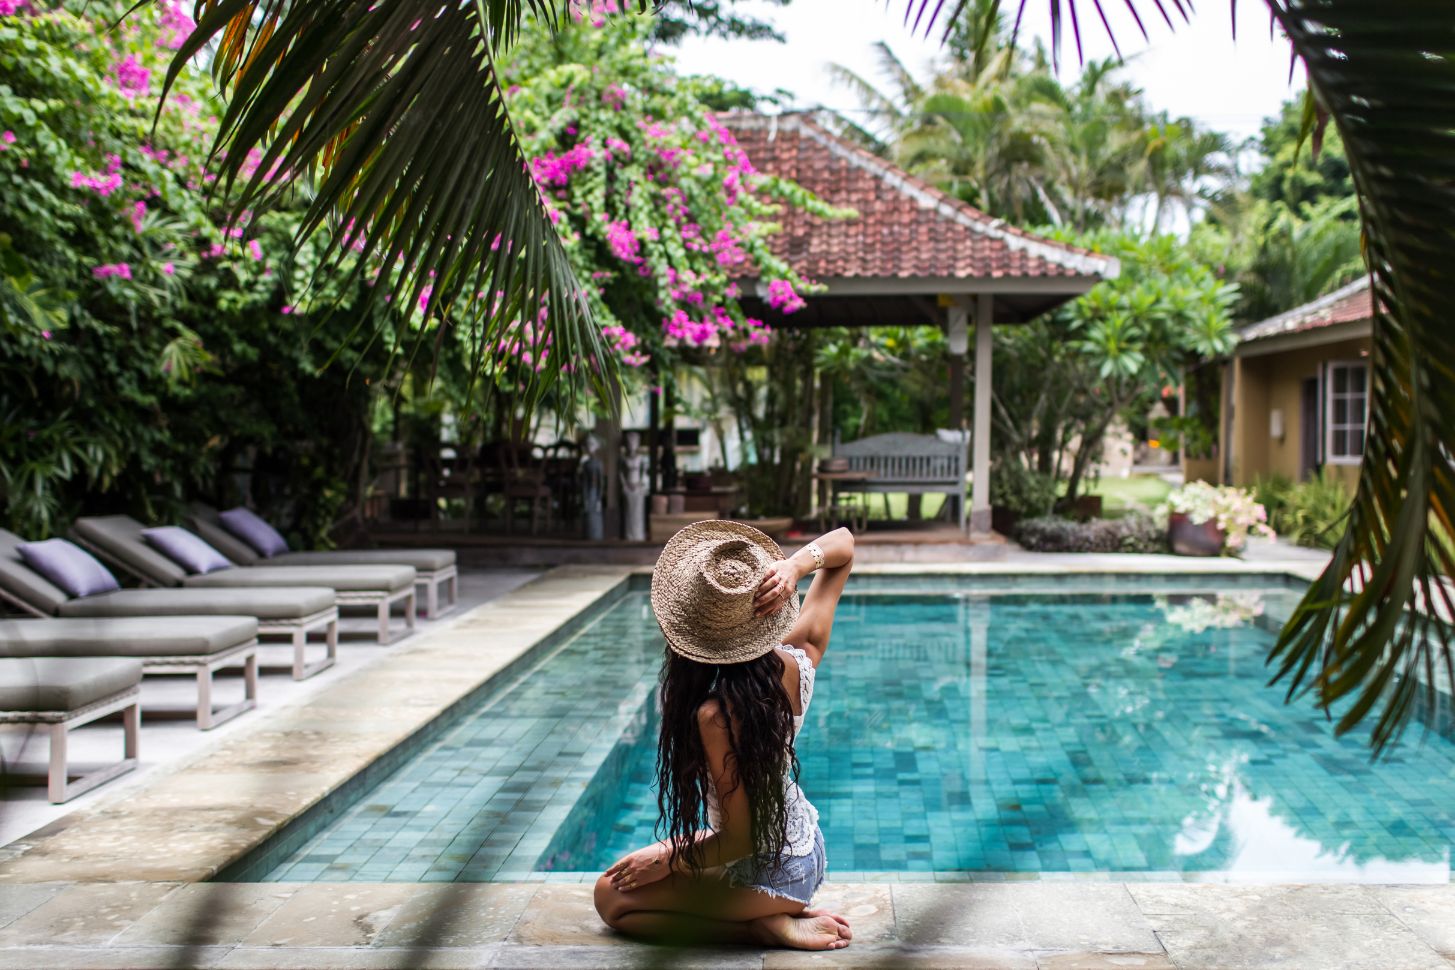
x,y
146,346
661,212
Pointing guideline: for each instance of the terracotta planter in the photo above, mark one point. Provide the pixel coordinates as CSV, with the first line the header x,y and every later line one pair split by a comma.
x,y
1194,539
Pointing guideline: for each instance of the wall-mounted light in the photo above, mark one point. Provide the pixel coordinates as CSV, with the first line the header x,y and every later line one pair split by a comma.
x,y
1275,424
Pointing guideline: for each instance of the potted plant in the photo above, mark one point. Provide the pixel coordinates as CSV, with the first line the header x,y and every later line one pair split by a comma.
x,y
1213,520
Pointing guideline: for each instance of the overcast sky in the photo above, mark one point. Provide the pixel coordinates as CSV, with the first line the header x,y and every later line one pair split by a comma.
x,y
1196,70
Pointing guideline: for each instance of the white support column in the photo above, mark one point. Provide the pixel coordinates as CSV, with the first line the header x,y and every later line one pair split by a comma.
x,y
980,436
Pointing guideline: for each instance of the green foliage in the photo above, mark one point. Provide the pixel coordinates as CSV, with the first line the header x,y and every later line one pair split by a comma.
x,y
142,388
1024,491
996,127
1107,355
1309,513
1131,533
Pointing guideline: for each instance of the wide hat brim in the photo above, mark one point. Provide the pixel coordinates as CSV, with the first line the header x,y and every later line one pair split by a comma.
x,y
679,612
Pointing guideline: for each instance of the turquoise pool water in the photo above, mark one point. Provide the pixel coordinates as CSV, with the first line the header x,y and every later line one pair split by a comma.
x,y
960,726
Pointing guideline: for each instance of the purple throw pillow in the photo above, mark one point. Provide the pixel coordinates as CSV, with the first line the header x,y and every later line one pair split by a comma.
x,y
69,566
186,550
244,524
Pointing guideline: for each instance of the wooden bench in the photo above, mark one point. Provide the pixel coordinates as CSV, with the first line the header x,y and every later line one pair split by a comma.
x,y
918,464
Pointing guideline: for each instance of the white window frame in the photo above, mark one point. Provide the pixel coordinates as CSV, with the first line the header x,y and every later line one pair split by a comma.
x,y
1330,457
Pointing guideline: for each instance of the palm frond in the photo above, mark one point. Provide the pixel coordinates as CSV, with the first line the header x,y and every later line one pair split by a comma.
x,y
394,113
1376,628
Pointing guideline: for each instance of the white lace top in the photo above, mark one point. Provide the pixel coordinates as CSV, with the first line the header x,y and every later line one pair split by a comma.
x,y
802,816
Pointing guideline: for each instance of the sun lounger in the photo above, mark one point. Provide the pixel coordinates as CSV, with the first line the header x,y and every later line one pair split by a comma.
x,y
118,540
294,612
64,693
435,569
200,645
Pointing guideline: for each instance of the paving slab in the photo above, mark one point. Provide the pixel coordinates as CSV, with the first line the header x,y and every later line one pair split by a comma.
x,y
1333,941
332,915
636,956
856,957
352,958
1046,960
111,958
85,915
208,914
1427,910
16,901
1041,916
1237,902
458,915
564,915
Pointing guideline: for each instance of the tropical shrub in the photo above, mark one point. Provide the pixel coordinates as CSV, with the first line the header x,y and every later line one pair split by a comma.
x,y
1235,511
1308,513
1136,532
1023,491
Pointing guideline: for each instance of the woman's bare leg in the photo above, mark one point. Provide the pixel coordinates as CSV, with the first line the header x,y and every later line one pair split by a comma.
x,y
706,909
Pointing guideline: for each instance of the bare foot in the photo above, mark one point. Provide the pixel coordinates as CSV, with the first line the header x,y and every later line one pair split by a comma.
x,y
802,932
844,932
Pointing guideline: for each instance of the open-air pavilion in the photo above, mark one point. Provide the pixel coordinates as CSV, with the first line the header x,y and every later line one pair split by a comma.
x,y
915,256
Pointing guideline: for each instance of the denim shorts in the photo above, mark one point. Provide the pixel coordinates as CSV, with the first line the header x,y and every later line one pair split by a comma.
x,y
798,878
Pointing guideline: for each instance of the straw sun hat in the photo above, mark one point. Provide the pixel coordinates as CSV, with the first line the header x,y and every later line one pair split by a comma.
x,y
703,588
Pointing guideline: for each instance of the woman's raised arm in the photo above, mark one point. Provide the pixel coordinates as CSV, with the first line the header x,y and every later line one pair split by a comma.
x,y
816,618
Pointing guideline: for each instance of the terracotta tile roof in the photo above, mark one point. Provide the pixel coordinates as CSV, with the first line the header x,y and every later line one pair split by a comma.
x,y
906,228
1348,304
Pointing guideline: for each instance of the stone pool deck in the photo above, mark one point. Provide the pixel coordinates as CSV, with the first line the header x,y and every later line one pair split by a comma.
x,y
121,882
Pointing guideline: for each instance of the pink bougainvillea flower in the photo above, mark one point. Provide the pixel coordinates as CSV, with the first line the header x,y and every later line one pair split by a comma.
x,y
107,270
176,25
286,311
45,335
138,215
7,138
169,269
255,249
132,77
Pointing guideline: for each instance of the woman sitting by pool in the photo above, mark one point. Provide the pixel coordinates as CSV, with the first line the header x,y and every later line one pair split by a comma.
x,y
743,854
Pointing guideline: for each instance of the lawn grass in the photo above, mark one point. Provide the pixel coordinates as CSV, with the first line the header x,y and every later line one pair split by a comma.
x,y
1122,495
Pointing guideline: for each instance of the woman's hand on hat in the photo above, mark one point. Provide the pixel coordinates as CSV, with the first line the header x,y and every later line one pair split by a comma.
x,y
777,587
641,868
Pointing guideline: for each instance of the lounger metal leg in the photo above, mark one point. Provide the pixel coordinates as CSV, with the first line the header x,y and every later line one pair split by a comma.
x,y
302,670
207,718
58,773
432,599
59,787
384,622
204,698
131,732
454,589
409,608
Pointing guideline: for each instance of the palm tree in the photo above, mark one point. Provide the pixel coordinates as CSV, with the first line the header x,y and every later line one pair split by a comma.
x,y
396,110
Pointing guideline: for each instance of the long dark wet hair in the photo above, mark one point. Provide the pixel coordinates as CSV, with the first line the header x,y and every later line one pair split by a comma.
x,y
760,736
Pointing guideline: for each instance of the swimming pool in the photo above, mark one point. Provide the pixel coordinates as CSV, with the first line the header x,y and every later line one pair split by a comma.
x,y
963,727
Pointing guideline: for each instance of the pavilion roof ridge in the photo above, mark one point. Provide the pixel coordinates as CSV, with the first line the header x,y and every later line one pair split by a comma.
x,y
927,196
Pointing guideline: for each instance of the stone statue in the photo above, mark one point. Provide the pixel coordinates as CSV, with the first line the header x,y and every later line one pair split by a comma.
x,y
593,481
634,488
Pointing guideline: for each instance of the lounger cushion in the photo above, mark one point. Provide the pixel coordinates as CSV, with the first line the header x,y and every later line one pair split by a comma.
x,y
274,603
185,549
424,560
63,683
350,578
119,537
220,539
69,566
250,528
151,636
23,583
